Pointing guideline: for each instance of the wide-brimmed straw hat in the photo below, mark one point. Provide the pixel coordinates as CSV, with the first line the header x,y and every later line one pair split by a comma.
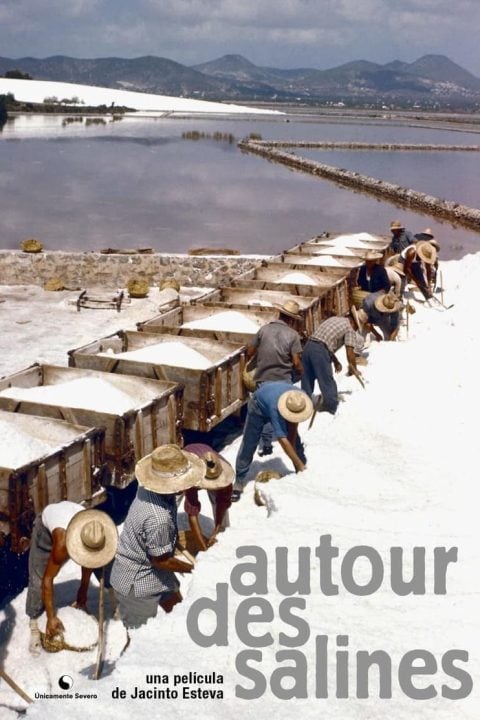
x,y
395,263
168,470
91,538
397,225
372,255
218,472
290,308
295,406
427,252
388,303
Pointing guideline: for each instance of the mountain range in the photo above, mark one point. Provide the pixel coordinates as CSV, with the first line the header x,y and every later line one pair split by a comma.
x,y
430,81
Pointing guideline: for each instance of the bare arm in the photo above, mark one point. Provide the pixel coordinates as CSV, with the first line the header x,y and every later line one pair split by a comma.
x,y
289,450
251,350
336,363
297,363
351,358
58,556
170,563
197,532
81,601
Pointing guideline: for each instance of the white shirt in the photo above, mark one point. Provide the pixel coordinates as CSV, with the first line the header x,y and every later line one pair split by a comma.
x,y
58,515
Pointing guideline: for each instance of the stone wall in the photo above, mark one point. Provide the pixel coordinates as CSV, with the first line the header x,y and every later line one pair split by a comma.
x,y
406,197
87,269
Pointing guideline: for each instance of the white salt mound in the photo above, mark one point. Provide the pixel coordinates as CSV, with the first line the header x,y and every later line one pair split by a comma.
x,y
18,448
169,353
340,248
325,260
229,320
81,629
299,278
86,393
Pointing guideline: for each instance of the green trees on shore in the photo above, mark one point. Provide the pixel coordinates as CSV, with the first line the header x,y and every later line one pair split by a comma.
x,y
3,110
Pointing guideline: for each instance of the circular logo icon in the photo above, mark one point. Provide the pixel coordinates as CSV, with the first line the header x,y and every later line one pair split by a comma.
x,y
65,682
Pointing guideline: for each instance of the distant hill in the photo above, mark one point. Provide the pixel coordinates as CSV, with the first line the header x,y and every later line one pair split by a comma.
x,y
430,81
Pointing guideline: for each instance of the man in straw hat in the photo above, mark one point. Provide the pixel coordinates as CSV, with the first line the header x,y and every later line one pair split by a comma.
x,y
143,571
381,310
319,355
418,262
281,404
372,276
396,275
432,269
218,482
401,238
276,350
64,530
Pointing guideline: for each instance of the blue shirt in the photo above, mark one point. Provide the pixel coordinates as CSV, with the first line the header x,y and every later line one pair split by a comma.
x,y
266,397
401,240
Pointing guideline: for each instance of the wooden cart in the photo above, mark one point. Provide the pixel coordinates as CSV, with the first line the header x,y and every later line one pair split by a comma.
x,y
244,298
72,470
210,394
332,289
155,417
174,321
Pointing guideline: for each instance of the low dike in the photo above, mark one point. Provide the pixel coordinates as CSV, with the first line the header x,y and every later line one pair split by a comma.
x,y
114,270
406,197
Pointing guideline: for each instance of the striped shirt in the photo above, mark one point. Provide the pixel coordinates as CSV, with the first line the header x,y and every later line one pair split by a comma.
x,y
337,331
150,529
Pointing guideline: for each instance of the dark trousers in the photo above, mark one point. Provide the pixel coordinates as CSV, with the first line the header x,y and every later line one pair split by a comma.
x,y
419,276
40,547
317,365
252,432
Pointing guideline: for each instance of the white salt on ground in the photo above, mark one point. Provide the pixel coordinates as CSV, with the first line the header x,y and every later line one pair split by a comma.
x,y
18,448
169,353
299,278
228,320
88,393
81,629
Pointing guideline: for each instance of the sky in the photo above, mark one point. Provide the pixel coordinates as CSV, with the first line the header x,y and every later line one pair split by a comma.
x,y
277,33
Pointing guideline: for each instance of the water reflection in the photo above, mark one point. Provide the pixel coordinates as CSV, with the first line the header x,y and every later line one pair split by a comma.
x,y
138,183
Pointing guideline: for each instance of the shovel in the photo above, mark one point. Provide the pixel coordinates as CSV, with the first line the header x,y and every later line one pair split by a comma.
x,y
101,629
14,686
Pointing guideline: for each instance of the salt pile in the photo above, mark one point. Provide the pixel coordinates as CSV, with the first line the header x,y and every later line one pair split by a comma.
x,y
87,393
299,278
228,320
340,248
81,629
18,448
325,260
168,353
358,240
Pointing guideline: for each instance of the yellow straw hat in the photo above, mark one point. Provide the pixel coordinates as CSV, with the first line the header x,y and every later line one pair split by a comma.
x,y
168,470
295,406
91,538
427,252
